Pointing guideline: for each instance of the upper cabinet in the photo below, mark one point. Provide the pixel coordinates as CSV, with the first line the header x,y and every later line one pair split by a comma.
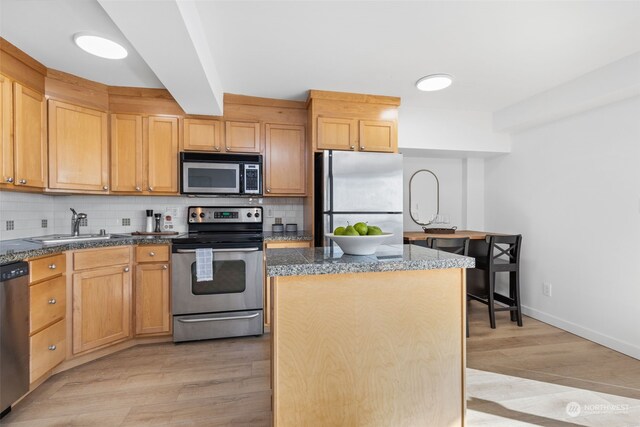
x,y
78,148
144,154
344,121
285,172
7,176
203,135
242,137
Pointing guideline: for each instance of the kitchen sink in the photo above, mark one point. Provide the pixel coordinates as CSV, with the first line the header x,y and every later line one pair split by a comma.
x,y
68,238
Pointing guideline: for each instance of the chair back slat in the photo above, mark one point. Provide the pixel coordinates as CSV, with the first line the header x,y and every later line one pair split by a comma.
x,y
504,248
458,245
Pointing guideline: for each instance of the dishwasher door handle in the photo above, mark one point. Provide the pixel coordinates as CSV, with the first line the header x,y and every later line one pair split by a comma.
x,y
192,251
215,319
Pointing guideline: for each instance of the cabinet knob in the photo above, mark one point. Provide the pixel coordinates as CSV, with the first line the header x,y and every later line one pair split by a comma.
x,y
138,189
52,266
152,254
23,181
164,267
353,147
362,147
228,149
150,188
268,190
52,301
216,148
9,180
52,347
105,188
126,269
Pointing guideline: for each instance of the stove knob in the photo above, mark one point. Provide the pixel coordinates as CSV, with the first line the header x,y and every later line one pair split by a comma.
x,y
193,214
201,214
249,215
257,215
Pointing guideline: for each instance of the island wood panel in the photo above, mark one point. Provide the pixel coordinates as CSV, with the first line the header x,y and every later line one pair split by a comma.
x,y
377,349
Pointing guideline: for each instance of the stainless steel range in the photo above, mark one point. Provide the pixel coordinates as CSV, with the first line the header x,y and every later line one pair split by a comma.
x,y
227,301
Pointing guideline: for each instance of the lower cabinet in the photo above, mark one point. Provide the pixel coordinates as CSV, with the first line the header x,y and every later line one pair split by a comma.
x,y
101,299
153,311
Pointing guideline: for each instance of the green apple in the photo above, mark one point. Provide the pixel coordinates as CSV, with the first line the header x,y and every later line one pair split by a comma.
x,y
374,230
361,228
339,231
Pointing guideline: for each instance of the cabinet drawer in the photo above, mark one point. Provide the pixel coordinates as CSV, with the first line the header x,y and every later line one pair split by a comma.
x,y
47,303
44,268
152,253
103,257
47,349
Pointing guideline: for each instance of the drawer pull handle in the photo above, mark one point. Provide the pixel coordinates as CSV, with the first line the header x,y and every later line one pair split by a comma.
x,y
52,301
152,254
164,267
52,347
52,266
126,269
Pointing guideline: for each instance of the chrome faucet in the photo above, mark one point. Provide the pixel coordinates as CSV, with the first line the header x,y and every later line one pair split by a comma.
x,y
75,221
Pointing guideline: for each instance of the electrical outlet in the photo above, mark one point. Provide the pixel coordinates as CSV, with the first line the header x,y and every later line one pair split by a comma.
x,y
269,213
546,289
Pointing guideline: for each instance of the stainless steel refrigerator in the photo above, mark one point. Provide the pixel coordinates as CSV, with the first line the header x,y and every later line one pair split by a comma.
x,y
352,187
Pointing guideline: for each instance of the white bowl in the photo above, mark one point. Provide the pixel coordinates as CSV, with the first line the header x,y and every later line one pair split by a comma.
x,y
359,245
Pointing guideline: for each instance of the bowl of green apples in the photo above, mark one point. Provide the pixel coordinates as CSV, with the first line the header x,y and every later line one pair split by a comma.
x,y
359,239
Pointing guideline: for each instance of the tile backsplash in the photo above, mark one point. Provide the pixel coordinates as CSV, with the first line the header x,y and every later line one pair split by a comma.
x,y
37,214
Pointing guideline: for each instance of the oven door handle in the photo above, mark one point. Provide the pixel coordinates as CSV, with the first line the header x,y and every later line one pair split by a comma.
x,y
192,251
215,319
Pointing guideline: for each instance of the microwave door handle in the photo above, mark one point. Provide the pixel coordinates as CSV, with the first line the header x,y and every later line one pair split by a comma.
x,y
190,251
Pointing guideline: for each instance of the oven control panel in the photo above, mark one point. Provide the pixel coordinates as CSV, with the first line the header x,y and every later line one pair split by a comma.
x,y
226,214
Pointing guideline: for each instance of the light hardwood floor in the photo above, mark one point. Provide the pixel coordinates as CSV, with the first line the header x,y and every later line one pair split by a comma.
x,y
516,376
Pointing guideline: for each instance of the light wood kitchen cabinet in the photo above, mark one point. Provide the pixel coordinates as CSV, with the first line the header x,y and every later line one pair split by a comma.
x,y
144,154
242,137
101,297
152,290
78,148
285,161
47,312
203,135
160,148
6,132
126,153
353,122
23,150
337,134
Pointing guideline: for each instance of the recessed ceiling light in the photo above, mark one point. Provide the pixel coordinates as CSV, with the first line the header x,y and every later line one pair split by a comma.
x,y
99,46
434,82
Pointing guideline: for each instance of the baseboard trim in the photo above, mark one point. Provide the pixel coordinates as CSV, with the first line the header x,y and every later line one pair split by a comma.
x,y
595,336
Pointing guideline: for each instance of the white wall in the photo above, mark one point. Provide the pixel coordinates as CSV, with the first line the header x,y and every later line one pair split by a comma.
x,y
572,188
107,212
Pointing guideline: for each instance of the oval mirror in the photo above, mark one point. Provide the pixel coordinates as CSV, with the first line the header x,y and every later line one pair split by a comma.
x,y
424,197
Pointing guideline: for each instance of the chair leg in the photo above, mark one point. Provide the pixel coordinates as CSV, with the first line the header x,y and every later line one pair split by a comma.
x,y
512,295
517,297
467,316
492,309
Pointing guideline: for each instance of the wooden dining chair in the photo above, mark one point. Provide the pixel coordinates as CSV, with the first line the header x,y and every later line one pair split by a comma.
x,y
499,254
458,245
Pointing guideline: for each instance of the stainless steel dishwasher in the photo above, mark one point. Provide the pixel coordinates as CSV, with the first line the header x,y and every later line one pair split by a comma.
x,y
14,334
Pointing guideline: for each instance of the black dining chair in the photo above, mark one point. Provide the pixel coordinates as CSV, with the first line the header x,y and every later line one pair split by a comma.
x,y
496,254
457,245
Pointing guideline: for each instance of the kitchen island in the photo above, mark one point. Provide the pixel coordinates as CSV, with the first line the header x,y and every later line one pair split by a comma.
x,y
368,340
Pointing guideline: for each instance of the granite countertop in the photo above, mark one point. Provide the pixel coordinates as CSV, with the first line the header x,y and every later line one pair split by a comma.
x,y
310,261
270,236
19,249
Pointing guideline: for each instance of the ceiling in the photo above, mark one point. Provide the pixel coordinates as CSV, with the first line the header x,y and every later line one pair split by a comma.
x,y
500,52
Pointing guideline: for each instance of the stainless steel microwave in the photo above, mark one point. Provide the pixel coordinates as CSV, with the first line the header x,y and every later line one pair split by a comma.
x,y
221,174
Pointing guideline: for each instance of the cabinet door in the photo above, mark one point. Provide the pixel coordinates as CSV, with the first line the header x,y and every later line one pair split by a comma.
x,y
336,134
285,162
30,149
202,135
161,154
153,313
6,133
78,148
377,135
242,137
101,307
126,153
